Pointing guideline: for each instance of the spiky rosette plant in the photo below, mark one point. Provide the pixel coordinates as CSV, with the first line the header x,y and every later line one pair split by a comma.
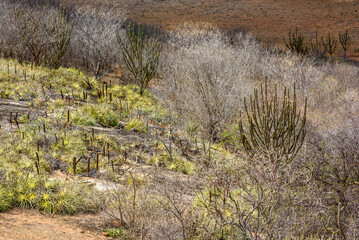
x,y
273,127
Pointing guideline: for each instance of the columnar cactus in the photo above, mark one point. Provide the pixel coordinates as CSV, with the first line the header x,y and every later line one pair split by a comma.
x,y
296,42
330,44
345,41
141,55
273,127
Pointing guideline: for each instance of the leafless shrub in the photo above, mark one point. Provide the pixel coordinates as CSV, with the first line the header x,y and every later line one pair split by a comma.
x,y
42,33
204,77
332,157
95,38
176,201
9,45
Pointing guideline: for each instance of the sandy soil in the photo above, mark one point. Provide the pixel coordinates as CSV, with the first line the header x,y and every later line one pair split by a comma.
x,y
24,224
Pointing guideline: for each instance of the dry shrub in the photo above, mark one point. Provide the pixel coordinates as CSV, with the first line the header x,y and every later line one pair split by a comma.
x,y
39,33
205,77
332,157
94,40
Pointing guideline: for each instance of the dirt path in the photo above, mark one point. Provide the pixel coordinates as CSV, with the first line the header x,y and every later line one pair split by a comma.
x,y
19,224
8,107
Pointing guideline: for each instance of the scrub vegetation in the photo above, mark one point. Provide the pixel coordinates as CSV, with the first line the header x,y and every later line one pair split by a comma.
x,y
213,136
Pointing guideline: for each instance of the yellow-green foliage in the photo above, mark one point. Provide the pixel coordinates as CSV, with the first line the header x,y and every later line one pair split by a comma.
x,y
181,165
62,134
145,103
31,191
176,164
32,82
5,199
89,115
117,233
137,124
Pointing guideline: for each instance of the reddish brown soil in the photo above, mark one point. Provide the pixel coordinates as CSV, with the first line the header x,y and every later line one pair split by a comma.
x,y
24,224
269,20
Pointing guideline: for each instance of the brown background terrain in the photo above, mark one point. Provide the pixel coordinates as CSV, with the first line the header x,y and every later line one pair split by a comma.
x,y
270,21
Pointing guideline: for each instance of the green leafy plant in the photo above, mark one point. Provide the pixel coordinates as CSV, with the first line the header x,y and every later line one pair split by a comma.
x,y
273,127
116,232
137,124
108,119
141,54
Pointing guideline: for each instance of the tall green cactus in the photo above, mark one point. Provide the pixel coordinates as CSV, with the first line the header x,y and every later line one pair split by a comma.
x,y
345,41
330,44
141,54
316,47
296,42
273,127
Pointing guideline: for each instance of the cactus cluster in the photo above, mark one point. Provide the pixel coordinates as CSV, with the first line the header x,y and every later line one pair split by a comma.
x,y
296,42
299,44
330,44
273,127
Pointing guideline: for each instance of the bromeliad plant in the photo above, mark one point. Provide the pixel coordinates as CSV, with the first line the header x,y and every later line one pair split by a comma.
x,y
273,128
141,54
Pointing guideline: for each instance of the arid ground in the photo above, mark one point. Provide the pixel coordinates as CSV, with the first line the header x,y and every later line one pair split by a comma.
x,y
268,20
22,224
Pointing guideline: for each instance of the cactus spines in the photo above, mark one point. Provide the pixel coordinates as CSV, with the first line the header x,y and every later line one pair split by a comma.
x,y
330,44
345,41
141,54
273,127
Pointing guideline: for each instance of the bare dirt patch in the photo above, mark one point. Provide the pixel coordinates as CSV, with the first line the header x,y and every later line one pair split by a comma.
x,y
19,224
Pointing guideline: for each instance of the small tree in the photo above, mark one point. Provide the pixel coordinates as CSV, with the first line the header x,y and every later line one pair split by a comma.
x,y
141,54
345,41
273,128
43,32
330,44
95,32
